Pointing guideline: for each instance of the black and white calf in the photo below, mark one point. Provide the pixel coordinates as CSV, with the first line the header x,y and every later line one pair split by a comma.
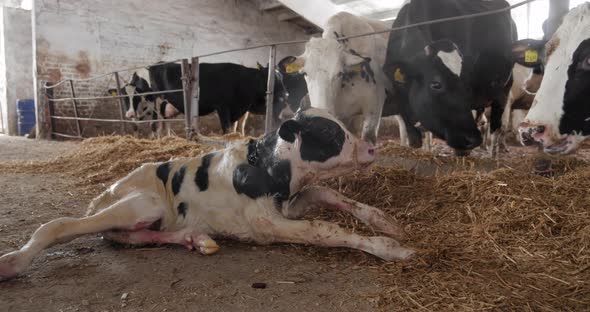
x,y
559,119
252,191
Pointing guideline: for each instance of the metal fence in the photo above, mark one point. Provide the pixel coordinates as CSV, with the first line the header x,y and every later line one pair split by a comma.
x,y
190,83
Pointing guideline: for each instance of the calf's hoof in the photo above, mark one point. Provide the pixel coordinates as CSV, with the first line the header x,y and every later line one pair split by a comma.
x,y
11,265
389,249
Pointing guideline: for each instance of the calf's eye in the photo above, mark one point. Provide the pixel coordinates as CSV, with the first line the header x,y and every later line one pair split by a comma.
x,y
586,64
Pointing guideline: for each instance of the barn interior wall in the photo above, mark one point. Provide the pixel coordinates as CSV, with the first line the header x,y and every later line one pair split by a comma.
x,y
16,64
82,38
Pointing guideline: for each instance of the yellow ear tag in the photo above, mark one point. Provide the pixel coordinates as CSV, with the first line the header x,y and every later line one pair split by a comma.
x,y
531,56
398,76
292,68
356,68
113,93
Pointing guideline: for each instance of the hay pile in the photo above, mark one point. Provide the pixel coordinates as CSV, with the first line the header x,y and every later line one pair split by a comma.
x,y
103,160
500,240
504,240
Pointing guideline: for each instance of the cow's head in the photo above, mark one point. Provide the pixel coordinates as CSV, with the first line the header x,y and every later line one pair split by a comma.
x,y
326,64
319,146
439,93
559,119
294,84
135,106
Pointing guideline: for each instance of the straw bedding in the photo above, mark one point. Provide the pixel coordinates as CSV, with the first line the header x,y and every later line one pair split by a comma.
x,y
499,240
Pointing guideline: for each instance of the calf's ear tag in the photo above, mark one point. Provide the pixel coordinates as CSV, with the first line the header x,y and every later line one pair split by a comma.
x,y
113,93
398,76
531,56
292,68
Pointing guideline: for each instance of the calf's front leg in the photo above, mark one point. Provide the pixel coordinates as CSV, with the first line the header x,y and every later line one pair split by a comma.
x,y
315,196
326,234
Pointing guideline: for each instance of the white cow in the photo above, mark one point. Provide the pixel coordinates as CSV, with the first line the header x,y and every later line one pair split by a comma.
x,y
559,119
345,77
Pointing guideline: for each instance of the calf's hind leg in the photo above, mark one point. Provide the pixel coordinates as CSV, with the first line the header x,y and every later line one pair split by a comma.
x,y
134,211
186,237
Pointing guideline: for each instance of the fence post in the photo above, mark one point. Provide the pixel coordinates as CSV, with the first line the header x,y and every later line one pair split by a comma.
x,y
78,127
268,125
43,111
195,95
121,102
186,91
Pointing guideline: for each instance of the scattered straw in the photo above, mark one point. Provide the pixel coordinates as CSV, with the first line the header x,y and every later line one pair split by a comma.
x,y
503,239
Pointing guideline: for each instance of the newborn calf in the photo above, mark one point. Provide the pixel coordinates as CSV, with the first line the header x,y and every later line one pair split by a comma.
x,y
252,191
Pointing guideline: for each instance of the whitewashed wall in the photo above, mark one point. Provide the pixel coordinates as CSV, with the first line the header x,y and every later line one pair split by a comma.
x,y
16,64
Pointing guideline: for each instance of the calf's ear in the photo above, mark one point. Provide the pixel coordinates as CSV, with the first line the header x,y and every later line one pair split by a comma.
x,y
289,129
528,52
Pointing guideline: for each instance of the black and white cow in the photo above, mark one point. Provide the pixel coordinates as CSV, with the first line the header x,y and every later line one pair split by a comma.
x,y
344,76
251,191
137,107
231,90
559,119
441,72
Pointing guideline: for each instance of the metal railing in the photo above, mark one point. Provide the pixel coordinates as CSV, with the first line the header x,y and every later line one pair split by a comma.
x,y
190,82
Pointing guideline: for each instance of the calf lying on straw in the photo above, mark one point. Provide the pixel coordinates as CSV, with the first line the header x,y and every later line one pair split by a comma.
x,y
252,191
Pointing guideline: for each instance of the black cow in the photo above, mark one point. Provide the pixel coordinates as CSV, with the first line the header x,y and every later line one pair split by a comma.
x,y
441,72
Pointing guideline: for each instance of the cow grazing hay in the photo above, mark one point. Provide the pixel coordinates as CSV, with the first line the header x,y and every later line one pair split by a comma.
x,y
501,240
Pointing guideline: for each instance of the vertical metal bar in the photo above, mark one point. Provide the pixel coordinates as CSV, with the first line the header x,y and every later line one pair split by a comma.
x,y
195,95
186,90
47,96
121,103
268,125
78,127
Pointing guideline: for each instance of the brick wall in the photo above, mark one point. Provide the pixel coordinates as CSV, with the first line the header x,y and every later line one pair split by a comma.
x,y
82,38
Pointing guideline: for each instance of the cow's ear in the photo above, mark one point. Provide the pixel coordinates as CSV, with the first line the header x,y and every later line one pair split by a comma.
x,y
113,92
399,72
292,64
528,52
282,65
289,129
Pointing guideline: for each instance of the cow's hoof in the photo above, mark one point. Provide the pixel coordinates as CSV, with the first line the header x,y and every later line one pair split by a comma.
x,y
542,167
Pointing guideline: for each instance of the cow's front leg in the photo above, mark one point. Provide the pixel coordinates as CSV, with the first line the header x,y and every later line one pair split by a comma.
x,y
314,196
186,237
326,234
497,134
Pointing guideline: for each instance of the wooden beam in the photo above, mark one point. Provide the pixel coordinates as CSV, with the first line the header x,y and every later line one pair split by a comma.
x,y
269,5
287,16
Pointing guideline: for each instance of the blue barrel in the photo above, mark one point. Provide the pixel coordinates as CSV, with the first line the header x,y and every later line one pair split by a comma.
x,y
25,110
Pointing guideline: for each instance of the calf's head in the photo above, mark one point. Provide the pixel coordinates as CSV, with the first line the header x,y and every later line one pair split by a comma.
x,y
319,146
559,119
440,96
